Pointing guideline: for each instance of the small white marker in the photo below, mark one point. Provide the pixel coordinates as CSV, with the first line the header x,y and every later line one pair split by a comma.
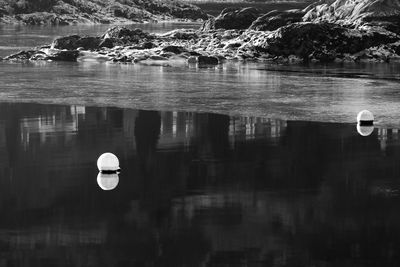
x,y
108,163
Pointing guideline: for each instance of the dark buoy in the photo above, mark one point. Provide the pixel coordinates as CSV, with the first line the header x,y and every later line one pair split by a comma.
x,y
365,118
108,181
108,163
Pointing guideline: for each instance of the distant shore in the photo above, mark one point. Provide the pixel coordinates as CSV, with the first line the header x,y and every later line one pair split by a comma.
x,y
290,36
72,12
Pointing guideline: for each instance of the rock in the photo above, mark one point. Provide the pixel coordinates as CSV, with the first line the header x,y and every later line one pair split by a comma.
x,y
208,25
319,41
206,60
154,57
192,59
276,19
174,49
22,55
181,34
63,55
231,18
384,13
89,43
148,45
120,32
67,42
72,42
108,43
39,56
126,35
122,58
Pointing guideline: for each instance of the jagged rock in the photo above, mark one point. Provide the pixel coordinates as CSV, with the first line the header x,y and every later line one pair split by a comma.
x,y
22,55
72,42
207,60
174,49
232,18
39,55
148,45
319,41
63,55
125,34
208,25
384,13
303,40
155,57
108,43
181,34
276,19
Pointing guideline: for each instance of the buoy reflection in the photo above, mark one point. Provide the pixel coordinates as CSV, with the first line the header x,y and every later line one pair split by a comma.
x,y
107,181
365,130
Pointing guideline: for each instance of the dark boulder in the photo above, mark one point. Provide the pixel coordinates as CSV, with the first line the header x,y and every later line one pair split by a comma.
x,y
108,43
276,19
89,43
126,35
63,55
67,42
321,41
174,49
73,42
232,18
206,60
148,45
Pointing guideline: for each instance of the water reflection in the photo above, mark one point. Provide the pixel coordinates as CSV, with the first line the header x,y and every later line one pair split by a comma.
x,y
107,181
197,189
365,130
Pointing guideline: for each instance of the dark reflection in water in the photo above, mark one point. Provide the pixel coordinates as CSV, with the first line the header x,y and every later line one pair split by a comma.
x,y
195,190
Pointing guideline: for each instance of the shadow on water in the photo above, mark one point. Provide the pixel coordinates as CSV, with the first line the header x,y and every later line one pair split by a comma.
x,y
196,189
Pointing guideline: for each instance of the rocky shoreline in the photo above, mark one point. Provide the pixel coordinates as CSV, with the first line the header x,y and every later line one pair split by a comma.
x,y
286,36
71,12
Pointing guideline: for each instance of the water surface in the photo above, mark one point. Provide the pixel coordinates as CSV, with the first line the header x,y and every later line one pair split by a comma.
x,y
329,93
233,89
196,189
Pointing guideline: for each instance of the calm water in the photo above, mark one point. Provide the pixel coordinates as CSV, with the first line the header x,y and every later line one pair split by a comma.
x,y
237,165
196,189
332,93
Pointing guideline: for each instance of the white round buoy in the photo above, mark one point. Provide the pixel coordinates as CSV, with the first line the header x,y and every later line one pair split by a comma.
x,y
365,117
108,162
365,130
107,181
